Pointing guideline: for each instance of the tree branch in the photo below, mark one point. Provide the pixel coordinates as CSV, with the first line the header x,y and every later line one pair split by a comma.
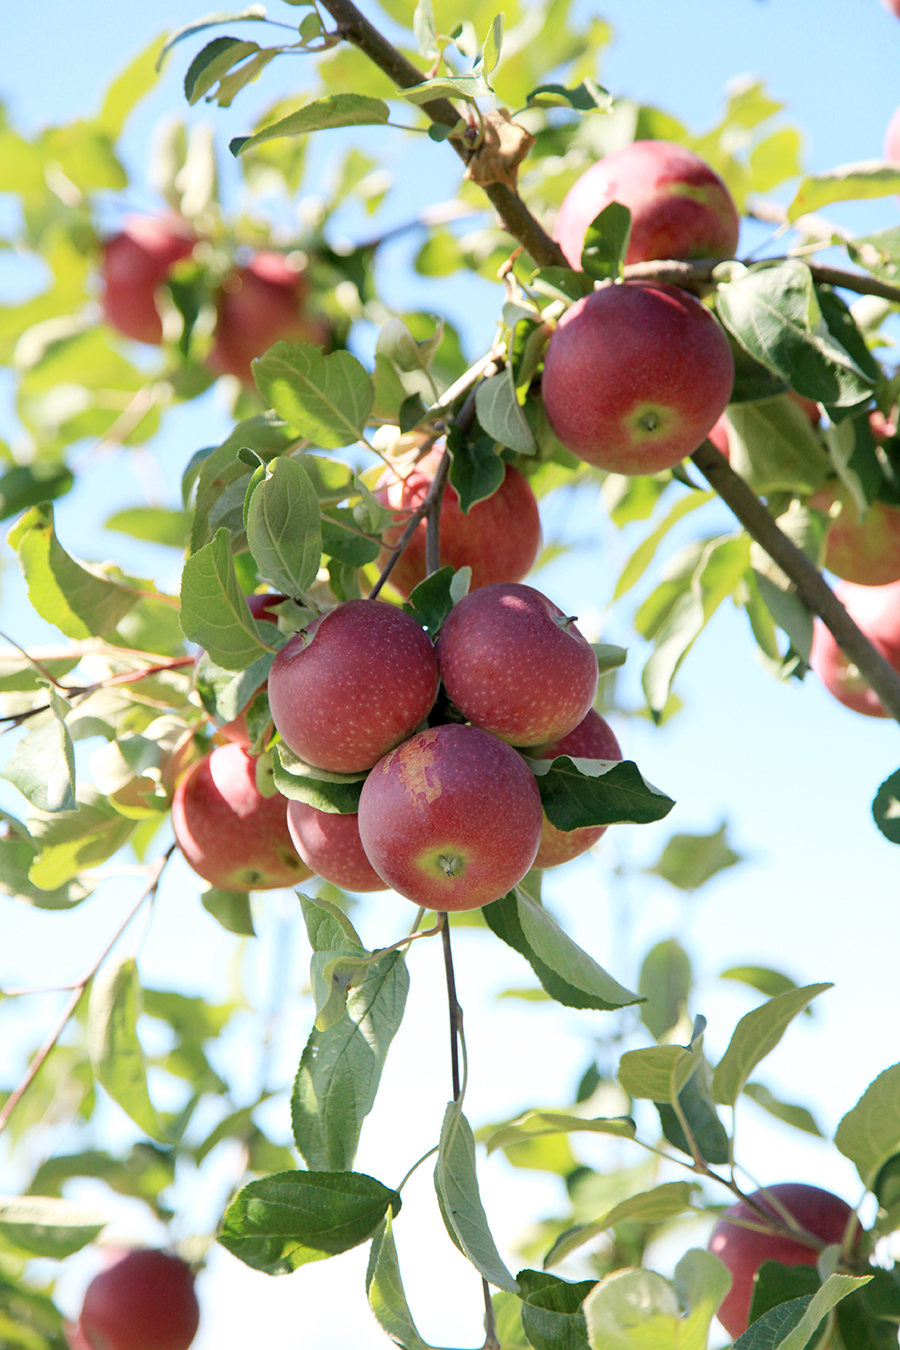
x,y
697,276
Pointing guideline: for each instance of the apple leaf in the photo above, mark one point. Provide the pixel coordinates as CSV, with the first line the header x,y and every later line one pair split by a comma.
x,y
688,861
789,1112
655,1206
774,314
285,1220
659,1072
643,555
46,1226
664,982
456,1183
755,1036
878,253
774,447
78,600
70,841
387,1298
622,1306
847,183
221,478
776,1283
327,399
252,12
231,909
588,96
500,413
28,484
709,1134
212,62
886,808
42,766
17,853
606,243
538,1124
576,792
283,528
224,693
214,610
332,792
116,1054
156,524
869,1133
334,110
476,470
552,1317
770,1330
432,600
469,87
790,1326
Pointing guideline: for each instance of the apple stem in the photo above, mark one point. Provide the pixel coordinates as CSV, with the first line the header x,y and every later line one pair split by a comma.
x,y
453,1006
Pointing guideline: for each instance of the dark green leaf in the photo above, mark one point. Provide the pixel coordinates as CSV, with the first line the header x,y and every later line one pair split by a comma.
x,y
689,860
335,793
334,110
231,909
431,601
585,97
867,1320
709,1133
777,1284
342,540
456,1184
116,1055
291,1218
577,792
886,808
774,1326
29,484
476,470
225,694
562,283
214,611
606,243
551,1311
327,399
283,528
843,328
212,62
763,979
664,984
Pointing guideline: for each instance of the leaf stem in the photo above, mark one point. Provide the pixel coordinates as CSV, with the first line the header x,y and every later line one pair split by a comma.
x,y
454,1009
490,1322
418,1163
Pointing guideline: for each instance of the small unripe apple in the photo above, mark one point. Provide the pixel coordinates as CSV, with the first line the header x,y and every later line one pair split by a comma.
x,y
593,738
679,207
259,305
515,665
451,819
143,1300
876,612
352,685
636,376
229,833
135,264
499,539
329,843
743,1250
261,607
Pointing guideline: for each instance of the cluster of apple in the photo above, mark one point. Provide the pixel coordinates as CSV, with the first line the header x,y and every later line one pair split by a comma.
x,y
143,1300
449,814
256,304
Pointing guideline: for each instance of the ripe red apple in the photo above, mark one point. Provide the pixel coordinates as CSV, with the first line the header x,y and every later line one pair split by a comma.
x,y
229,833
451,819
499,539
635,376
593,738
679,207
143,1300
261,607
865,551
330,844
876,611
135,264
515,665
258,305
719,436
355,683
743,1250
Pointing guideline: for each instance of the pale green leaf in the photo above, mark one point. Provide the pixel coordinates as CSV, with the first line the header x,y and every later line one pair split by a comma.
x,y
327,399
116,1054
847,183
870,1132
283,528
501,415
755,1036
456,1184
334,110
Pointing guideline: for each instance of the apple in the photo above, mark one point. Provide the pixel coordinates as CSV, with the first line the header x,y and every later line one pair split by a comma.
x,y
499,539
876,611
892,6
636,376
352,685
258,305
451,819
261,607
593,738
865,551
679,207
143,1300
718,434
743,1250
515,665
135,264
229,833
329,843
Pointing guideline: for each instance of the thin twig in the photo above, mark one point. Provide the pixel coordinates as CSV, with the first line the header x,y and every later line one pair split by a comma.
x,y
434,494
453,1007
490,1323
698,276
41,669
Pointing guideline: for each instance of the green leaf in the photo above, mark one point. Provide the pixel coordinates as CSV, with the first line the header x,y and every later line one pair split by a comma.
x,y
551,1312
490,51
69,841
290,1218
431,601
585,97
456,1183
214,611
231,909
283,528
116,1055
773,313
469,87
327,399
878,253
709,1134
212,62
128,88
63,591
331,792
334,110
577,792
789,1112
643,555
775,1284
45,1226
225,694
539,1124
501,415
658,1073
847,183
568,974
156,524
775,159
637,1309
656,1206
29,484
870,1132
606,243
755,1036
42,766
252,12
771,1329
17,852
476,470
340,1069
774,447
763,979
384,1286
781,1329
886,808
688,861
664,984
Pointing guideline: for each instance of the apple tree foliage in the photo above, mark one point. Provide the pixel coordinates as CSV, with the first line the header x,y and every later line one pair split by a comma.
x,y
286,501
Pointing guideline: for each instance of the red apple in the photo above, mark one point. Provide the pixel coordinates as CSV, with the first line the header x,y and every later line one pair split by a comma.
x,y
451,819
515,665
892,6
679,207
865,551
330,844
143,1300
261,607
229,833
876,611
355,683
593,738
135,264
499,539
259,305
743,1250
719,436
636,376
